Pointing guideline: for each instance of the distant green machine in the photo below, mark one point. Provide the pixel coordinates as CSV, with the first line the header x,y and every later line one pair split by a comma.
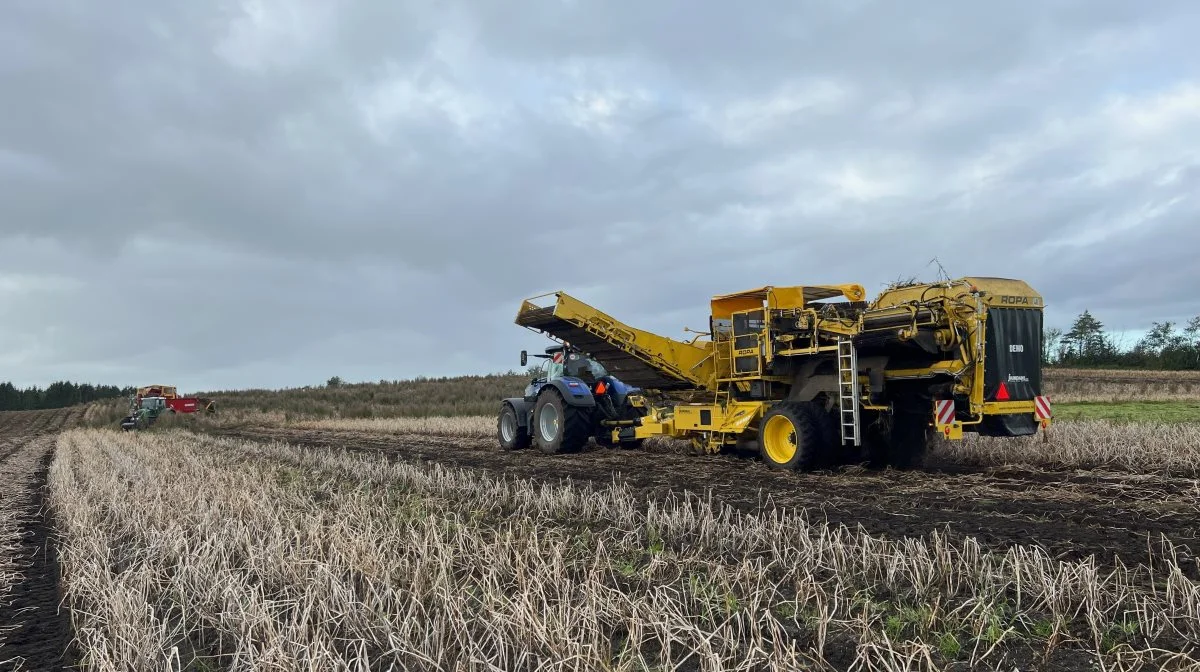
x,y
144,412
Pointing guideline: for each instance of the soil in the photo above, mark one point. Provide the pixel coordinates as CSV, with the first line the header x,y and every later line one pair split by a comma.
x,y
1110,516
41,633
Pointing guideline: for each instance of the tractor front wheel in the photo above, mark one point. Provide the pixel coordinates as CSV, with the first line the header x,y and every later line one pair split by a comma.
x,y
559,427
509,430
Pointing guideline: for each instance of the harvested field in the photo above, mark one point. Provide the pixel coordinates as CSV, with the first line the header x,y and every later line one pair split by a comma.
x,y
473,425
1071,511
259,554
34,635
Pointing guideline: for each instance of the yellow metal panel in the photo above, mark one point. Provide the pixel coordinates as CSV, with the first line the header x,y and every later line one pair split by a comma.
x,y
740,414
723,308
993,292
952,431
735,417
781,298
949,366
1008,407
688,417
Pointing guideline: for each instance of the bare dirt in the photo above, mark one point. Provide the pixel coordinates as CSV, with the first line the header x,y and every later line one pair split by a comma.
x,y
36,634
1111,516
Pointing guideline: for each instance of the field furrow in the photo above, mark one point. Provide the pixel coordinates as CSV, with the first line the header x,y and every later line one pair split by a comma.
x,y
34,634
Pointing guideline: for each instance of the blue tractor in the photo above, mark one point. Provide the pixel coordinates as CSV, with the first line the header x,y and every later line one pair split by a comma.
x,y
570,401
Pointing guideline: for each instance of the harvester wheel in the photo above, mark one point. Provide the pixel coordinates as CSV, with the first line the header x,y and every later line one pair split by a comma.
x,y
909,441
509,430
559,427
900,442
789,437
828,453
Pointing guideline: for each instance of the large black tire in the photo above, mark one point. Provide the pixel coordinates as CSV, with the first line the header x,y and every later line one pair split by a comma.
x,y
789,437
509,432
900,442
909,441
559,427
829,452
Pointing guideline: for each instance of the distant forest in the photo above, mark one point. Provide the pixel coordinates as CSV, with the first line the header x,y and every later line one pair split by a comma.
x,y
1167,346
57,395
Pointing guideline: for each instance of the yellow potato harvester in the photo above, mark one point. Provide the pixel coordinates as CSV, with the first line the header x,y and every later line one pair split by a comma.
x,y
810,375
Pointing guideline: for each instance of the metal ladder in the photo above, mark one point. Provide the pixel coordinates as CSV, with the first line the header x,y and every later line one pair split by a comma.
x,y
848,391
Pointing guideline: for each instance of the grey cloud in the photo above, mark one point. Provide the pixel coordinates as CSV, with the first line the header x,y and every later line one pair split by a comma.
x,y
369,190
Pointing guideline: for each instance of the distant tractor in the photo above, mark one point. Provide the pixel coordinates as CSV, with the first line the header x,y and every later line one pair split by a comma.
x,y
574,399
144,412
150,402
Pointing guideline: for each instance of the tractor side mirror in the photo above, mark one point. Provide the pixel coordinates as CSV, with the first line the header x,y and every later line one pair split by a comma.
x,y
524,358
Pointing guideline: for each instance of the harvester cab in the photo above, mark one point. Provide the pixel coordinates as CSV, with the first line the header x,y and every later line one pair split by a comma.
x,y
574,398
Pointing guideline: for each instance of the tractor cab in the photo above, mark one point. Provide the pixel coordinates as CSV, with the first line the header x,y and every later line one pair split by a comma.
x,y
563,361
152,404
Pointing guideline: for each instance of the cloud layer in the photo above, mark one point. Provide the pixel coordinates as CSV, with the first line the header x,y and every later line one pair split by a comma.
x,y
270,193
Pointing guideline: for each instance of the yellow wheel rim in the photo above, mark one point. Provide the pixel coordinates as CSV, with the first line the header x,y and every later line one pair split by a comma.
x,y
779,438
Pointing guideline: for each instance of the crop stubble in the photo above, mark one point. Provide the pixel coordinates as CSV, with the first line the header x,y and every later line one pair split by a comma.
x,y
1003,493
268,555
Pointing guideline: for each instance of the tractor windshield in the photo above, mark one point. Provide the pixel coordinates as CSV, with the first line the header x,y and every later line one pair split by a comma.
x,y
586,368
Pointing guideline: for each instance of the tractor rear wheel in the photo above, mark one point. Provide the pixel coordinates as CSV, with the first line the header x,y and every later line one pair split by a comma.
x,y
509,431
559,427
790,437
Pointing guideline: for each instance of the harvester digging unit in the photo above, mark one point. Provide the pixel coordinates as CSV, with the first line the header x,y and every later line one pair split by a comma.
x,y
809,375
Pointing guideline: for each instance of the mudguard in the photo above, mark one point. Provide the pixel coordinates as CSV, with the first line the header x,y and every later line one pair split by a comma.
x,y
574,391
618,390
523,409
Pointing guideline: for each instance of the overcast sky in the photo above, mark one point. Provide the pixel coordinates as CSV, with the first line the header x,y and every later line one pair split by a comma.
x,y
269,193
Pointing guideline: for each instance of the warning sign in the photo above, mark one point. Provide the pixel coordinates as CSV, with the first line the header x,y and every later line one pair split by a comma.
x,y
1041,406
944,411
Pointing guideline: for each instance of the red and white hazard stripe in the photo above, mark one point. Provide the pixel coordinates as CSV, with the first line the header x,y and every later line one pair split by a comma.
x,y
1041,406
944,411
558,357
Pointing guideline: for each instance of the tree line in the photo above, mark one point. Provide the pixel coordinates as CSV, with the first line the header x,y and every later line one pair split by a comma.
x,y
1167,346
57,395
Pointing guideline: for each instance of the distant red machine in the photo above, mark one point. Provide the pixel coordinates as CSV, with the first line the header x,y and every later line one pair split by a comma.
x,y
175,402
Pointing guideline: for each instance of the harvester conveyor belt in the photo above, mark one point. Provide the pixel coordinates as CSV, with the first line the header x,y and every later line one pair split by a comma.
x,y
638,358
